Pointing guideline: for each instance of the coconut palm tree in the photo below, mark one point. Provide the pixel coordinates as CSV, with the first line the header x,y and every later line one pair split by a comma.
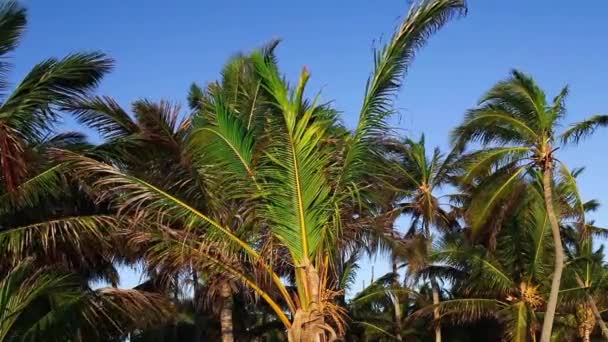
x,y
585,277
155,145
517,128
507,283
292,188
44,214
420,178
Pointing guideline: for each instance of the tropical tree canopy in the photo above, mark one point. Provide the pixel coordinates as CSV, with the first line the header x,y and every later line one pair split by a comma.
x,y
251,209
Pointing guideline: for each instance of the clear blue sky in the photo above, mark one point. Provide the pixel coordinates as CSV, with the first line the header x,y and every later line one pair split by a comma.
x,y
162,46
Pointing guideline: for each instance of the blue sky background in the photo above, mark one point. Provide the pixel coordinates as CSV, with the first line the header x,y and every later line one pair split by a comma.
x,y
162,46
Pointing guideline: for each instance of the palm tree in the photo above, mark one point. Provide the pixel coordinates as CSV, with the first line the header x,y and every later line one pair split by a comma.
x,y
585,277
32,107
507,283
294,191
517,128
420,178
154,145
43,213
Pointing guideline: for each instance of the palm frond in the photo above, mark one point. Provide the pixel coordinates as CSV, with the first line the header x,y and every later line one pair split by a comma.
x,y
584,128
29,109
78,233
298,189
104,115
391,64
12,23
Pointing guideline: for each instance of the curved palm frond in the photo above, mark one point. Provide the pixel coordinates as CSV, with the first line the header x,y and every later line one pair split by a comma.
x,y
584,128
391,64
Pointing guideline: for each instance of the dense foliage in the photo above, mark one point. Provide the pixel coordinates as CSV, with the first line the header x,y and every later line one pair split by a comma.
x,y
251,211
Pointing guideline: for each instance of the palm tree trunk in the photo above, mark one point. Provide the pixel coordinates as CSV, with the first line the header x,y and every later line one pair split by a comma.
x,y
308,324
559,256
436,314
598,316
226,313
397,305
434,286
596,312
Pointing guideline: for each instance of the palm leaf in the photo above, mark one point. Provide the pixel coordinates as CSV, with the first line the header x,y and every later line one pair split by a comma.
x,y
584,128
297,187
391,64
52,82
12,23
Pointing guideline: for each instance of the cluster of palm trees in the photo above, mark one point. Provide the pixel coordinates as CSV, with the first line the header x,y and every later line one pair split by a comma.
x,y
250,211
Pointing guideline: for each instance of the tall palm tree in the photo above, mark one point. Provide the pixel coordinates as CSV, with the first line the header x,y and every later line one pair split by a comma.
x,y
154,145
507,283
42,212
517,128
32,107
297,189
420,178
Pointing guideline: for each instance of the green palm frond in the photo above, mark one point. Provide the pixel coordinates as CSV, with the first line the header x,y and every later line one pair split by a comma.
x,y
391,64
495,189
584,128
348,273
492,275
568,193
29,109
20,289
12,23
483,162
298,191
49,183
226,143
517,322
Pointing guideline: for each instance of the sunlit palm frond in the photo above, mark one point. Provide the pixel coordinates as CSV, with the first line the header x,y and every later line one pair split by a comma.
x,y
226,143
494,190
298,190
78,234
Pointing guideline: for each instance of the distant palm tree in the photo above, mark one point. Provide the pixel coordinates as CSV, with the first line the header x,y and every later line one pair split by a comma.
x,y
507,283
517,128
295,191
586,276
420,177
